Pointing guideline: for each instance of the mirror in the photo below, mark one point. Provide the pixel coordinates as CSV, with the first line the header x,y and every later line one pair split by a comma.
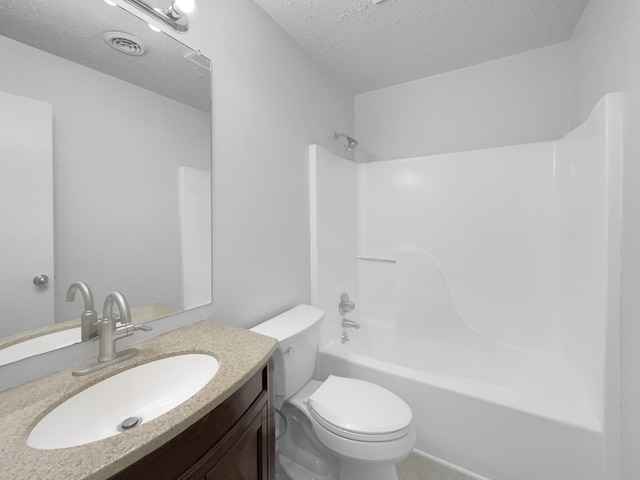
x,y
105,166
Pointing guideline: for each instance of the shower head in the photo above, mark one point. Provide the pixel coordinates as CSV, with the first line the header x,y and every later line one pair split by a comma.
x,y
351,142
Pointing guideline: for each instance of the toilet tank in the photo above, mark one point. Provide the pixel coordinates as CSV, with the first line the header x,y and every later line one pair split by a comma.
x,y
297,331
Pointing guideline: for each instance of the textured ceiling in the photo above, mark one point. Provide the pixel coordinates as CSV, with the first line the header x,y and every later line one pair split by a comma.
x,y
370,46
73,29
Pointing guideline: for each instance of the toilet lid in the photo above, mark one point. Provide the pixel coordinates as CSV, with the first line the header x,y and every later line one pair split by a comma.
x,y
356,409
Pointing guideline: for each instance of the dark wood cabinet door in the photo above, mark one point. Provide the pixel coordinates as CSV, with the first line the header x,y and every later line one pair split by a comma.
x,y
245,459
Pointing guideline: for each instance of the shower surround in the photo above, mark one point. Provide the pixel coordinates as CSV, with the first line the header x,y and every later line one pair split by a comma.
x,y
486,285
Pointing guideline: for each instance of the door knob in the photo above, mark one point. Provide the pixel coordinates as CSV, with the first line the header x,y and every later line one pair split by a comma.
x,y
41,280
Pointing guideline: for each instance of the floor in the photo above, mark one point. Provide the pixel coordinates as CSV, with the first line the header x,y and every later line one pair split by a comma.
x,y
416,467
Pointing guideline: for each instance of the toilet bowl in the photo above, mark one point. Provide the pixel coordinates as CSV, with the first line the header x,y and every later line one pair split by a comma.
x,y
341,428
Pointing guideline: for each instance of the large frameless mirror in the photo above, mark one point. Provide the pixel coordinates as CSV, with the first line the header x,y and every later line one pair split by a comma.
x,y
105,169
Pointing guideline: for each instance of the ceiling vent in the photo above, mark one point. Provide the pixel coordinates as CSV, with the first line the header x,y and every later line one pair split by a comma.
x,y
124,43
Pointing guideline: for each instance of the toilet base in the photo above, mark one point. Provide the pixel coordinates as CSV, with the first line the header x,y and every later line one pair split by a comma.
x,y
295,471
300,455
367,471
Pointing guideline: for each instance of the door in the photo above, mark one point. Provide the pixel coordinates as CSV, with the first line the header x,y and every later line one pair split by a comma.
x,y
26,213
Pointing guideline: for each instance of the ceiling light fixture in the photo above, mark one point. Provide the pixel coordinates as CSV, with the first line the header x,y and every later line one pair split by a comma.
x,y
174,17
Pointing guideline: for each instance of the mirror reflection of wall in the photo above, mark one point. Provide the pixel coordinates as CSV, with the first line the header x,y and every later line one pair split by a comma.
x,y
118,150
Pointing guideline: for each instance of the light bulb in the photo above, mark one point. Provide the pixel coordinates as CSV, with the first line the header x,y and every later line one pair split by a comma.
x,y
154,28
185,6
110,3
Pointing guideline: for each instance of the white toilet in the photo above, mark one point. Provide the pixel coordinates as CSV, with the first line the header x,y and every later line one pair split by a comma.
x,y
349,429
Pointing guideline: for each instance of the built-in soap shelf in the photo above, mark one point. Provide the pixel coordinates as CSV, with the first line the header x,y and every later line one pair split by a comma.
x,y
374,258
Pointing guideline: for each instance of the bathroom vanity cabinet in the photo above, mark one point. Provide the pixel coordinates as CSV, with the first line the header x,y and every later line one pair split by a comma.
x,y
236,440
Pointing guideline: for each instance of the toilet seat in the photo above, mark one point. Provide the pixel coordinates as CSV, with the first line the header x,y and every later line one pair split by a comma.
x,y
368,447
360,410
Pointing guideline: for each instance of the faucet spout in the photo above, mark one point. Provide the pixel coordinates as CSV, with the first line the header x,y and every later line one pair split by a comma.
x,y
123,308
89,317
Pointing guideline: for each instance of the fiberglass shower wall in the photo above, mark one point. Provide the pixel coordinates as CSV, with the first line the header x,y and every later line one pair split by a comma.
x,y
518,244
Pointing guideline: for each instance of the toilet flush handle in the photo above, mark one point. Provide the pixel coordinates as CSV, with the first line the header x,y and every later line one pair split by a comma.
x,y
289,351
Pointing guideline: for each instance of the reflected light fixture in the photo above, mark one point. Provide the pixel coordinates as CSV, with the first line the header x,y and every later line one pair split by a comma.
x,y
175,16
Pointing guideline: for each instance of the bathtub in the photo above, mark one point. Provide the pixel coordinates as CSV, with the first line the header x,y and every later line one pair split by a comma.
x,y
489,410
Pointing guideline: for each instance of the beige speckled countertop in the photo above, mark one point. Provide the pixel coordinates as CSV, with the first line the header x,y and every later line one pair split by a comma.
x,y
241,354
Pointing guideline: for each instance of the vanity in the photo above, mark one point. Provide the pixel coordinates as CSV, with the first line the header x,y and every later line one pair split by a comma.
x,y
226,430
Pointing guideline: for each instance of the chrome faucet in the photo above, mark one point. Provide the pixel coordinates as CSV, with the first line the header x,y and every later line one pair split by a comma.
x,y
345,306
108,333
350,324
89,317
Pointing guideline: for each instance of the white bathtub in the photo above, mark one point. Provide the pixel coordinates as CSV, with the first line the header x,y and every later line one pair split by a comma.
x,y
495,411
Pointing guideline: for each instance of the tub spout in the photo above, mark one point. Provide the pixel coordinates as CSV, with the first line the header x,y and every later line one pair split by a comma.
x,y
350,324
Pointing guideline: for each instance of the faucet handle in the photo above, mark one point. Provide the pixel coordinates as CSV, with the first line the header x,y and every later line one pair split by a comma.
x,y
127,329
345,306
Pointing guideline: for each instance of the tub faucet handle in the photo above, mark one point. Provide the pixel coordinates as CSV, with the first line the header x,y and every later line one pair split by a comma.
x,y
345,306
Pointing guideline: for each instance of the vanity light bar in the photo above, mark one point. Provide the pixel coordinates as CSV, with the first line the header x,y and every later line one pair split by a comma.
x,y
173,17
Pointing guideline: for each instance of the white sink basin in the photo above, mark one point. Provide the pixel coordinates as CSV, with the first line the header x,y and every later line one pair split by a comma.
x,y
144,392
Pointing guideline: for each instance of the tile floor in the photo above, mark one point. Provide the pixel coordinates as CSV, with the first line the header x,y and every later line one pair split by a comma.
x,y
415,467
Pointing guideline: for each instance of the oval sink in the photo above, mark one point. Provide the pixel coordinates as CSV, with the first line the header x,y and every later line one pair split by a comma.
x,y
124,401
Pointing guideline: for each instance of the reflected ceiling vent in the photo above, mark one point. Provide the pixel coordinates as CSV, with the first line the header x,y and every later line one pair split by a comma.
x,y
199,59
124,43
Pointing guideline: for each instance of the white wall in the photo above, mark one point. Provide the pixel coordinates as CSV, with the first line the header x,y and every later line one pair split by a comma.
x,y
270,101
605,52
630,300
115,175
519,99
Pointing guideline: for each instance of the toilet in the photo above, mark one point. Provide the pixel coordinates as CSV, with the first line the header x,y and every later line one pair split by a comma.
x,y
339,429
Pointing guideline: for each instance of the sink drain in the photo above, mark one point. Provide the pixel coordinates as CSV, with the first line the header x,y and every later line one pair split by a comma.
x,y
129,423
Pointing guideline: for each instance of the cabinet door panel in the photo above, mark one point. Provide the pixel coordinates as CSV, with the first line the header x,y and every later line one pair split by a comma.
x,y
243,454
244,460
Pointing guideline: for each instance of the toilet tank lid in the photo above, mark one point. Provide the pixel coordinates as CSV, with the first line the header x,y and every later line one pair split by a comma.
x,y
290,323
